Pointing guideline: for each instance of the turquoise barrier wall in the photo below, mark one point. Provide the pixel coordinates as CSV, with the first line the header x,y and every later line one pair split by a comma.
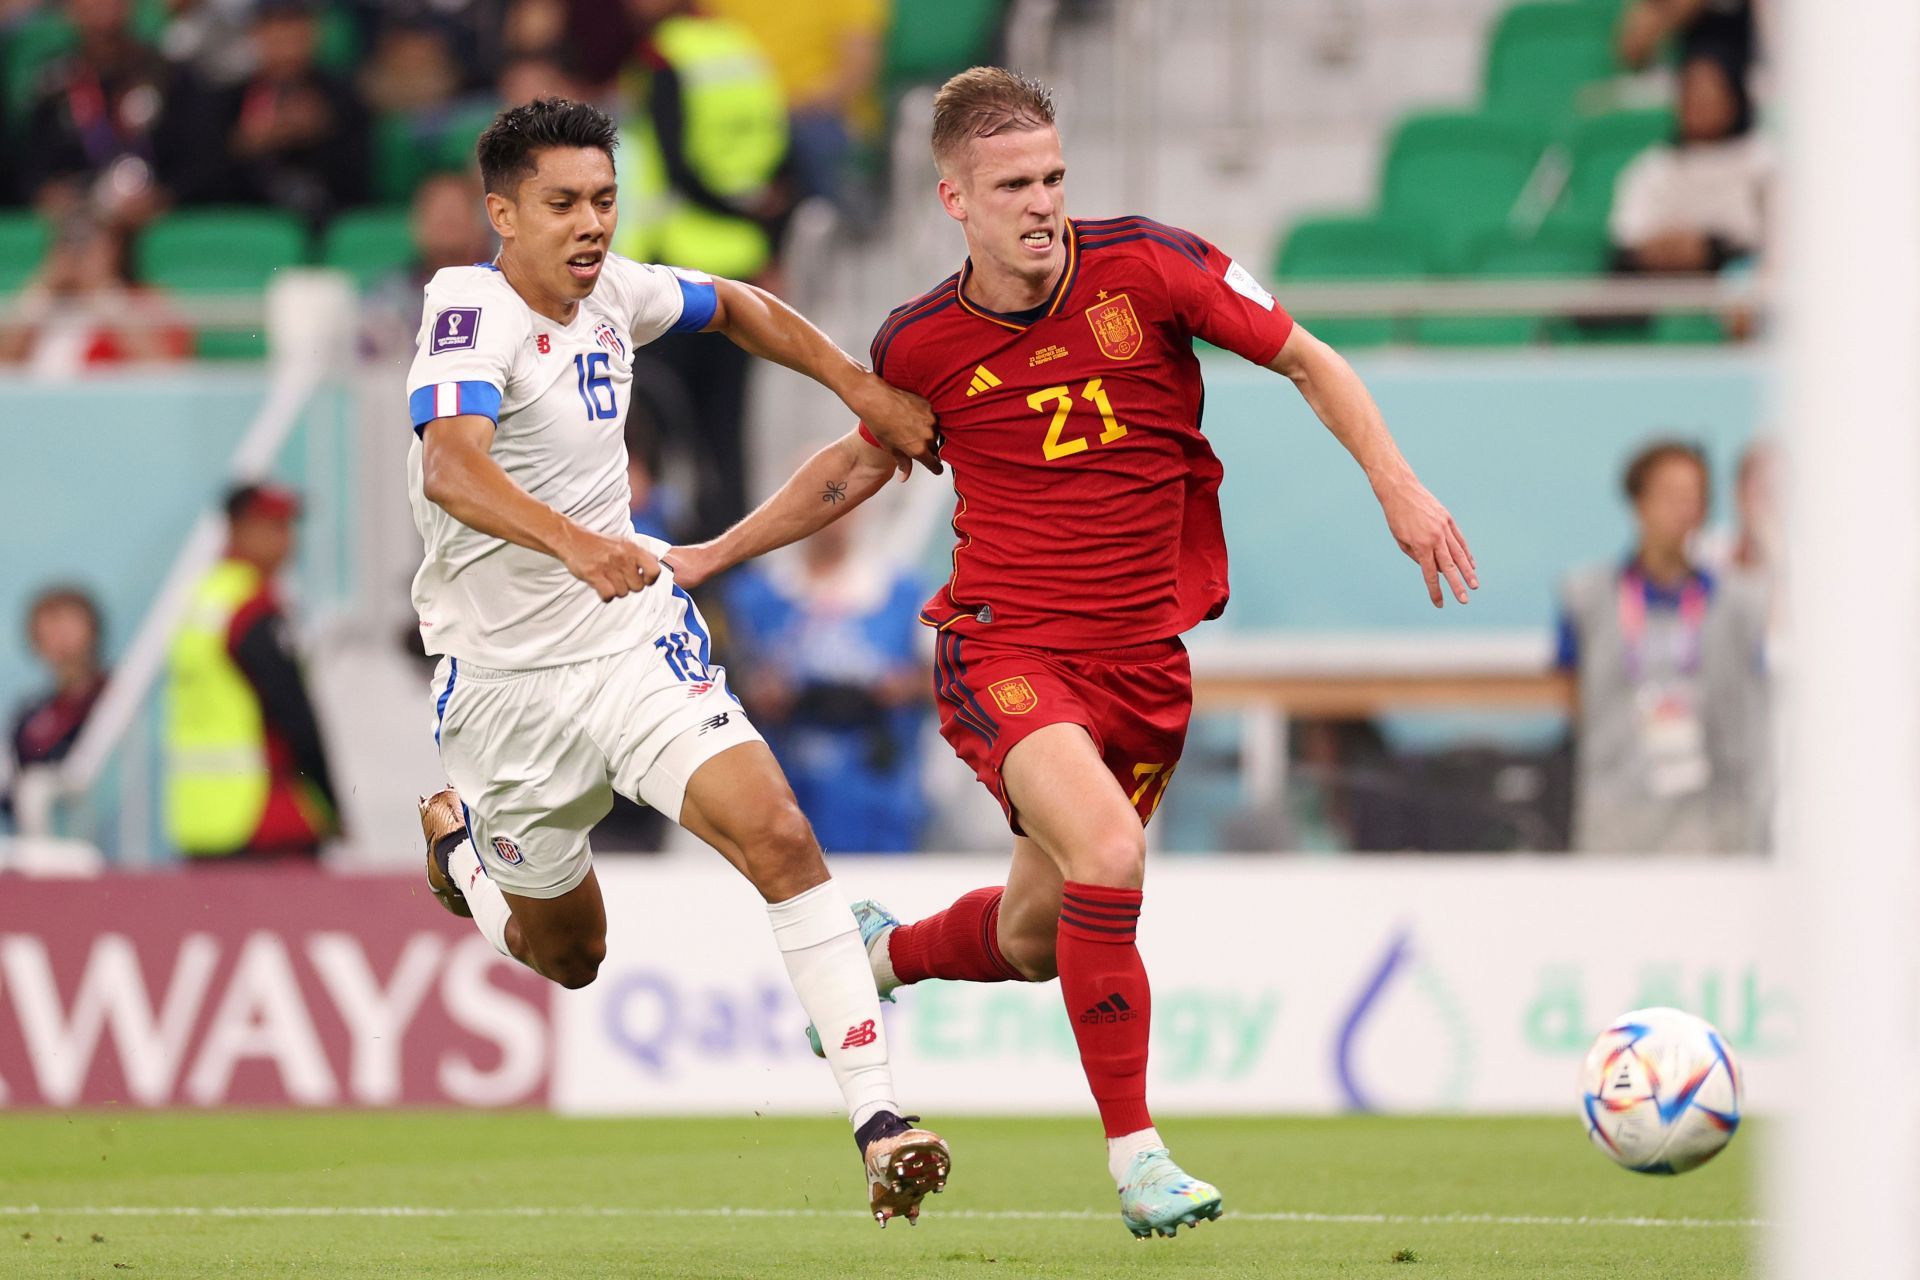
x,y
1525,449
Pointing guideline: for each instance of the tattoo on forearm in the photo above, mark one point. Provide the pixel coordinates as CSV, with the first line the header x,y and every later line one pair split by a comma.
x,y
836,491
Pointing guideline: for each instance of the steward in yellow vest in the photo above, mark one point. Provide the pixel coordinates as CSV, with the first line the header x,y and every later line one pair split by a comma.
x,y
246,773
698,184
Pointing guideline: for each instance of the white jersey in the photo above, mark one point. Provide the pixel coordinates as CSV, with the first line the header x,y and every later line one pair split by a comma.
x,y
558,396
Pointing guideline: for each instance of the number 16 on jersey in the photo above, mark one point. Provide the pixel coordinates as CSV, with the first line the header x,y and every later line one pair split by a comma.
x,y
595,387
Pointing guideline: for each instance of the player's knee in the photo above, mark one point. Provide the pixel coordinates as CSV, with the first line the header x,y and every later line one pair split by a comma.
x,y
1030,952
578,964
1117,859
782,856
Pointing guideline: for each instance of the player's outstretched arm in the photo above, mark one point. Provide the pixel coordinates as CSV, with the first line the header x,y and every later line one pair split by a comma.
x,y
762,325
828,485
459,476
1422,527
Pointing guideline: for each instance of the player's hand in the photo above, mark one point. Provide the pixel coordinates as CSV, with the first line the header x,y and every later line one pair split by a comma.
x,y
692,564
900,421
613,567
1427,533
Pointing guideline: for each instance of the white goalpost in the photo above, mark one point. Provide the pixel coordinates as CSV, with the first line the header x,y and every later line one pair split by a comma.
x,y
1845,1177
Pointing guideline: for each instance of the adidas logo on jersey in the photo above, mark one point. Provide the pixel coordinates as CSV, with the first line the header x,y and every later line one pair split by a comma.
x,y
1112,1009
983,380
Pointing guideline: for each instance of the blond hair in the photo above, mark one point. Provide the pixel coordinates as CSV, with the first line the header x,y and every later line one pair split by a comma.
x,y
983,101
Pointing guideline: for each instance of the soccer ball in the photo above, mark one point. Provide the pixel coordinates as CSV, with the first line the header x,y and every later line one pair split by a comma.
x,y
1661,1093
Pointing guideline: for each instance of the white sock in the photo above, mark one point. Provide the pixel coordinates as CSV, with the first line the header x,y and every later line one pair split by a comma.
x,y
832,976
881,960
490,913
1122,1150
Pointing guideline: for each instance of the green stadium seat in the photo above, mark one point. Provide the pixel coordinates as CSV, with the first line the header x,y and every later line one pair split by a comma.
x,y
221,251
1556,252
1598,149
1340,248
23,243
25,53
454,151
929,40
368,244
1541,54
401,158
1456,176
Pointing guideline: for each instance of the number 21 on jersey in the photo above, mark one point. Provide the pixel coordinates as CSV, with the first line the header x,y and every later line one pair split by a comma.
x,y
1060,400
595,387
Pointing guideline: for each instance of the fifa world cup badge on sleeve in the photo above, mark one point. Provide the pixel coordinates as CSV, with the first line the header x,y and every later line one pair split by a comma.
x,y
454,329
1116,328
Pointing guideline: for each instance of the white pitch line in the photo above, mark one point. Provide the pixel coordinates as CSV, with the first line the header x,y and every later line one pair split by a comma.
x,y
991,1215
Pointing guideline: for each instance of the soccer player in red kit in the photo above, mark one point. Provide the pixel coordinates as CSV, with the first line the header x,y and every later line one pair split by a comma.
x,y
1059,362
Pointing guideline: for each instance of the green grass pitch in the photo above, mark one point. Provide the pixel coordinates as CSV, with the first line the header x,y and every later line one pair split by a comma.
x,y
524,1195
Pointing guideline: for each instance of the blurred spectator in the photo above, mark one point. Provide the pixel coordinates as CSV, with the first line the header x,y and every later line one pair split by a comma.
x,y
299,135
63,629
1698,203
833,671
1754,545
538,74
210,36
411,71
449,228
246,770
650,505
117,129
704,148
1671,730
827,55
1724,30
80,311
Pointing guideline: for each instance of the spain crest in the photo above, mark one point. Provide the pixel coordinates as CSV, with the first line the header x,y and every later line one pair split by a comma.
x,y
1015,697
1116,328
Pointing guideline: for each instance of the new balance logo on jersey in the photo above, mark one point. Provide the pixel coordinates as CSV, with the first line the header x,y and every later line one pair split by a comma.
x,y
717,722
983,380
861,1036
543,344
1112,1009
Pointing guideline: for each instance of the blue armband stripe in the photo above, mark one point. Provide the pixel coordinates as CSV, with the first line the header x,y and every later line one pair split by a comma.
x,y
698,301
451,399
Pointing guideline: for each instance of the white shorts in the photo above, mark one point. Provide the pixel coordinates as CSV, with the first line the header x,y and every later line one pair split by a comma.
x,y
537,755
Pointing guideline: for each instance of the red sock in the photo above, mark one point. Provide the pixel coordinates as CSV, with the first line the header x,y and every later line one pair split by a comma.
x,y
1105,986
961,944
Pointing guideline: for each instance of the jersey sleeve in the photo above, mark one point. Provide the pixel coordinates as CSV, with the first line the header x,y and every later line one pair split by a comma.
x,y
660,300
464,352
1217,299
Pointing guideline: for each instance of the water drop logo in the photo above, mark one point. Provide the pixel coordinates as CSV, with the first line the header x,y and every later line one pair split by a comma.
x,y
1406,1034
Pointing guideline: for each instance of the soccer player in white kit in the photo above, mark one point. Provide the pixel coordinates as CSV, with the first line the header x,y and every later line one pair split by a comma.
x,y
571,666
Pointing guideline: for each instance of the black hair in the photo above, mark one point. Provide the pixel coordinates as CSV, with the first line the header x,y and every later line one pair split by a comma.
x,y
1640,469
507,147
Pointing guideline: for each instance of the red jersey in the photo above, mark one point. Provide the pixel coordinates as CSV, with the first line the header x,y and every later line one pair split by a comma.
x,y
1088,508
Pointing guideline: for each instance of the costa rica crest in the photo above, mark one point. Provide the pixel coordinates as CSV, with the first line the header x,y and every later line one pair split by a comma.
x,y
509,851
1015,697
1116,328
609,337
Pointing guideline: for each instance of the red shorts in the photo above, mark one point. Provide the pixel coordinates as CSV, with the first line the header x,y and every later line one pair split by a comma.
x,y
1134,702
